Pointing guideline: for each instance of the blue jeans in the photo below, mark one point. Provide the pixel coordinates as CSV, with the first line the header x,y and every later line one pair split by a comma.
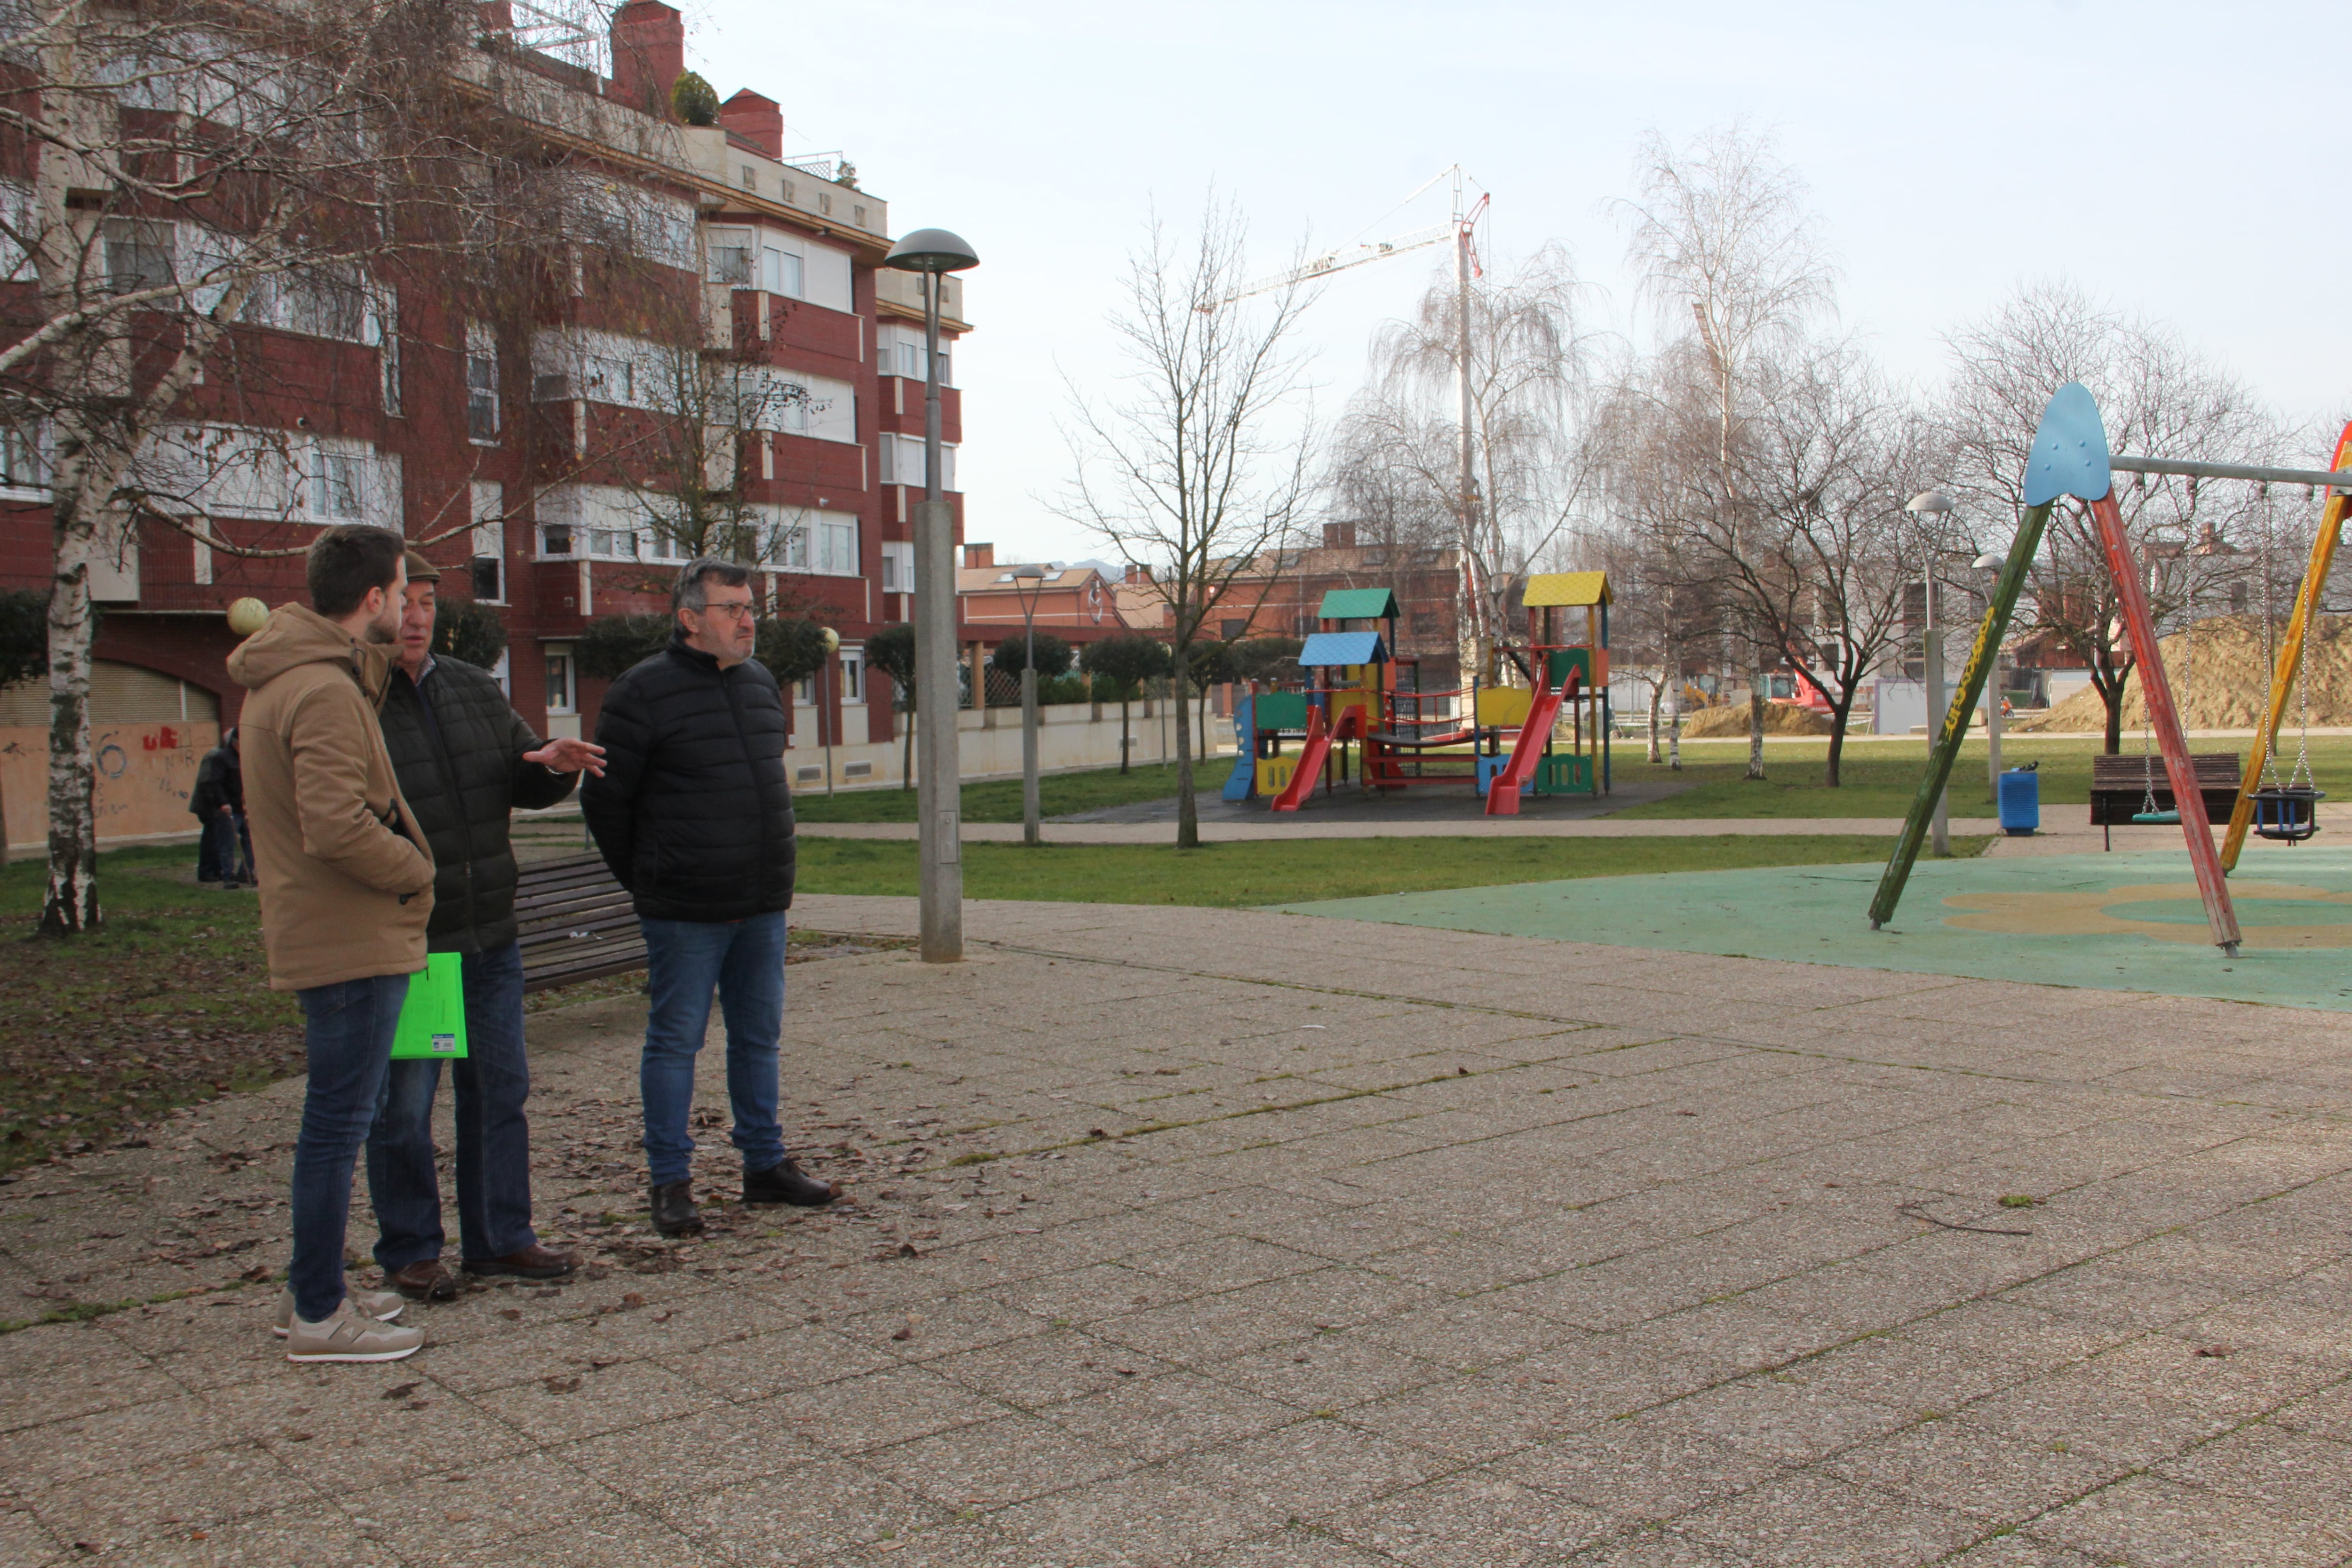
x,y
491,1081
347,1028
686,961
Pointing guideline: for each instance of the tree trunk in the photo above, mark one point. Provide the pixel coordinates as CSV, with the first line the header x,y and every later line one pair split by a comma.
x,y
1838,716
1756,727
1188,810
1674,715
907,751
1657,699
1124,747
2114,698
72,903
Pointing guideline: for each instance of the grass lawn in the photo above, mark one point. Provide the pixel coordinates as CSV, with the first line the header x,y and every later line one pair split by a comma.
x,y
998,800
1880,776
1235,876
164,1005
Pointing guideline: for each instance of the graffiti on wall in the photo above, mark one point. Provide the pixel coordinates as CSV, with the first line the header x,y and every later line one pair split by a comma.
x,y
145,774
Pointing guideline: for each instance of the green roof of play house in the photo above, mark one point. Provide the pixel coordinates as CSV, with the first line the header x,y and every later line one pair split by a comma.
x,y
1357,604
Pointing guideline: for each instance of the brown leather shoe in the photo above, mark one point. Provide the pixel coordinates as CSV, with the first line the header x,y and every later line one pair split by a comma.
x,y
533,1262
427,1279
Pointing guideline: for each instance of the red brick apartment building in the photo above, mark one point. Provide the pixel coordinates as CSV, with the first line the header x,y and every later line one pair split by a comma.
x,y
527,441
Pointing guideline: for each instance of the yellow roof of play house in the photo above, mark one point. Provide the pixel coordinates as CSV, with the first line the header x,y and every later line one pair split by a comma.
x,y
1546,589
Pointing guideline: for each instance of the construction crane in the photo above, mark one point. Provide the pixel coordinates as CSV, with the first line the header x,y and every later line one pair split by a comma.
x,y
1461,229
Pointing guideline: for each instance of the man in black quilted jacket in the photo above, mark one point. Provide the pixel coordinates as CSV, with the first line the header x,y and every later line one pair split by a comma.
x,y
694,815
465,760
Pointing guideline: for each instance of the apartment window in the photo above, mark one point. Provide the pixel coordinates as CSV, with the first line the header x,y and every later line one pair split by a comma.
x,y
335,485
481,382
902,462
904,353
489,564
898,568
1229,630
853,675
23,464
750,178
138,254
558,678
784,274
730,257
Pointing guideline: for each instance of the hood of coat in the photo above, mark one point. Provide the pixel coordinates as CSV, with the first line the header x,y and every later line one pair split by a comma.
x,y
298,635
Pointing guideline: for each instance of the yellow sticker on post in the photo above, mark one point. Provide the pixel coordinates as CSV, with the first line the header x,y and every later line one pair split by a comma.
x,y
432,1019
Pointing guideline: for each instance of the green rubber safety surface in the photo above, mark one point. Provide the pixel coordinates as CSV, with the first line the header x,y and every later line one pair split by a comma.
x,y
2126,922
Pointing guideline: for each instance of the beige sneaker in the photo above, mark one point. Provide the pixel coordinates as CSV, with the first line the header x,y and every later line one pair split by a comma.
x,y
381,1305
351,1336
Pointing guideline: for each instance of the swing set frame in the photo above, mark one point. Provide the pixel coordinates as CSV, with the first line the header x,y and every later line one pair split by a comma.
x,y
2070,457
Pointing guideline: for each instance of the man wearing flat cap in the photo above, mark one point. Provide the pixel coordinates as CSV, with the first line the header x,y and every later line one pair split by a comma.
x,y
465,760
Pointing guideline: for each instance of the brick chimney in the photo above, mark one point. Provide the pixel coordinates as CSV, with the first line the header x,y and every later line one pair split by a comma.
x,y
649,55
756,120
976,556
1138,573
1339,535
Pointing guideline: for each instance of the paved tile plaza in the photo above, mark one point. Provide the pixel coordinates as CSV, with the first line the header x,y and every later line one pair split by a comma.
x,y
1312,1242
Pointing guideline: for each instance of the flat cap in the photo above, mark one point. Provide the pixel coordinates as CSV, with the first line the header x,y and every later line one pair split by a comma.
x,y
420,570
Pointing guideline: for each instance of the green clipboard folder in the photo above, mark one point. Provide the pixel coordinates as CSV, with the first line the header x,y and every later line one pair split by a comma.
x,y
432,1019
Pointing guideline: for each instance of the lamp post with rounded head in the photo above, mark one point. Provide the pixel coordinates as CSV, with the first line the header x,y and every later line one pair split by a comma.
x,y
1026,582
940,778
1934,503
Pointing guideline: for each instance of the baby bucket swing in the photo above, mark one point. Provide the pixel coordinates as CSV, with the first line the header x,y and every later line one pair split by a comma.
x,y
2287,813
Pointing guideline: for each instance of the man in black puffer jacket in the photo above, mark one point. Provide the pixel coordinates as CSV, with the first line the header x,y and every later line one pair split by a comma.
x,y
694,815
465,760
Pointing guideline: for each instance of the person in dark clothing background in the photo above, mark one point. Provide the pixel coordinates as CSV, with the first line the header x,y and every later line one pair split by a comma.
x,y
694,815
225,855
465,760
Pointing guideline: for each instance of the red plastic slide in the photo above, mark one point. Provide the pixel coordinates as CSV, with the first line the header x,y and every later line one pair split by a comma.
x,y
1503,794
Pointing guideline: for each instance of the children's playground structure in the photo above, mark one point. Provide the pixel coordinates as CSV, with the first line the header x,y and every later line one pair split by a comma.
x,y
1360,712
2070,457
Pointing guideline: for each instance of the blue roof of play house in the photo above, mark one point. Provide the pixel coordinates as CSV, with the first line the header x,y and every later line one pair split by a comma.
x,y
1324,650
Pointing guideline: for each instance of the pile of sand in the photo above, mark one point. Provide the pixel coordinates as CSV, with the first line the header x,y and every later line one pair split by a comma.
x,y
2221,680
1731,719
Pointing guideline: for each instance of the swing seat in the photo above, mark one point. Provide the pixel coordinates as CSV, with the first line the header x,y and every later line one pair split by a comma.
x,y
2158,818
2287,814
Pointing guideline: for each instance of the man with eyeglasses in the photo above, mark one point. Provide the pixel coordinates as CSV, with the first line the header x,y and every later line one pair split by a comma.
x,y
694,815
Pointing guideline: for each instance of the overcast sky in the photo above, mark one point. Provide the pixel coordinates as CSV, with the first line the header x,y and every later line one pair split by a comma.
x,y
2151,153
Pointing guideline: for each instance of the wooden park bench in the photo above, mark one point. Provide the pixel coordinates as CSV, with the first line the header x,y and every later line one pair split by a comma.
x,y
2120,787
575,923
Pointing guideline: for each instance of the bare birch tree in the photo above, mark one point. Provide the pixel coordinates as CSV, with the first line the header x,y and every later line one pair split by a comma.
x,y
1721,236
1199,465
1530,388
183,166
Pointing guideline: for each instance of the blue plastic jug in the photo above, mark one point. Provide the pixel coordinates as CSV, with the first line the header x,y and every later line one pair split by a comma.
x,y
2020,802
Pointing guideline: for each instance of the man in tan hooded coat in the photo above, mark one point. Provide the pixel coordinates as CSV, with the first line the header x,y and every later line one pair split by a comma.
x,y
346,889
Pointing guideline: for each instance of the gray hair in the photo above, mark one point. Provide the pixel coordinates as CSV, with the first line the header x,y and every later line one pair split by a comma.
x,y
691,591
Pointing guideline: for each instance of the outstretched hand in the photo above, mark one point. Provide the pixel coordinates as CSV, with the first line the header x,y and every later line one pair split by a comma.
x,y
566,755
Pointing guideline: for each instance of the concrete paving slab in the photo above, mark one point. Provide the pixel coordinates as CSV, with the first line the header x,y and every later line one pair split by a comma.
x,y
1532,1314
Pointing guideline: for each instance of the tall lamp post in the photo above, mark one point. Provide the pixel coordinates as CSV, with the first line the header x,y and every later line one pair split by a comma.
x,y
1934,503
1992,561
940,778
1026,582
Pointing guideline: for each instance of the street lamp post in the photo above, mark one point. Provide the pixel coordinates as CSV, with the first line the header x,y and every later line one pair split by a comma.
x,y
1931,653
938,780
1026,582
1992,561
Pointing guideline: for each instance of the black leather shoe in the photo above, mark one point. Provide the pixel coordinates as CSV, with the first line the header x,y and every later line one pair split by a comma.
x,y
674,1211
787,1183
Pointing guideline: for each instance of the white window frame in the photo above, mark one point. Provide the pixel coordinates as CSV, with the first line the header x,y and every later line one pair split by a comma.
x,y
489,537
852,677
482,384
901,462
898,566
558,655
